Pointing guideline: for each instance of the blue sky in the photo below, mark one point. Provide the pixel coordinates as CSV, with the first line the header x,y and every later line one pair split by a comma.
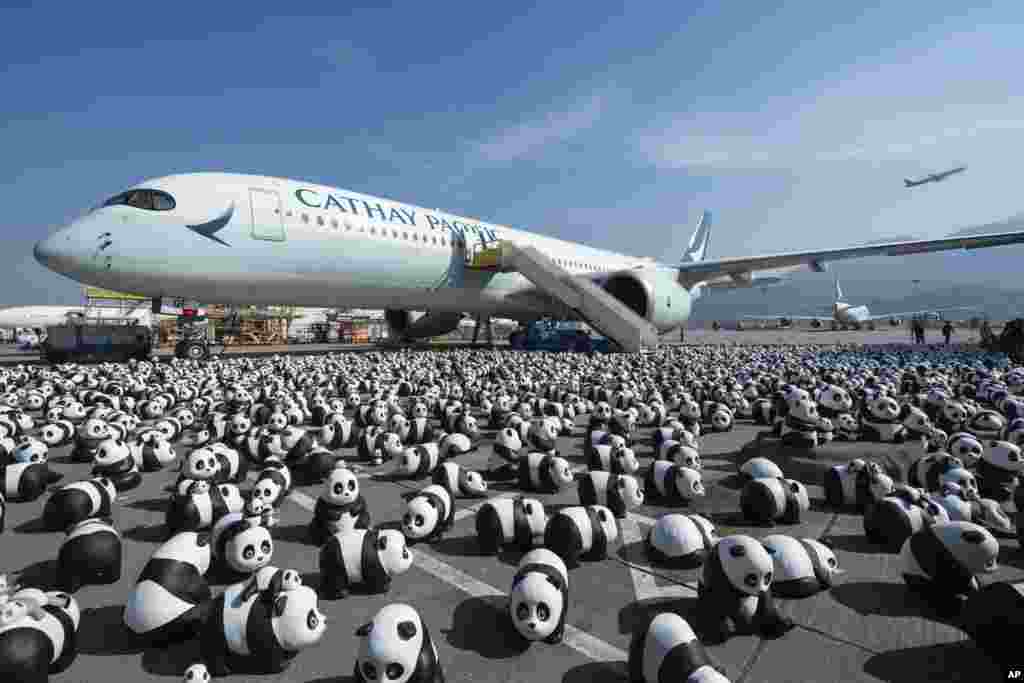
x,y
611,123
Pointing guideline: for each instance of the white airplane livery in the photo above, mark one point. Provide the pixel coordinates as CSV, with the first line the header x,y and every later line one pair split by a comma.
x,y
246,239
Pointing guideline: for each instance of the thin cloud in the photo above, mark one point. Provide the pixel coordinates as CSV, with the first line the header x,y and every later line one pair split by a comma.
x,y
526,139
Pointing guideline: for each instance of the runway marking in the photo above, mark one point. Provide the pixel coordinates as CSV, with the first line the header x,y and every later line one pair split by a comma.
x,y
644,585
586,644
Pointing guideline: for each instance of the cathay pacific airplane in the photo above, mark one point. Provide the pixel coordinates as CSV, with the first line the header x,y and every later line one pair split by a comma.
x,y
245,239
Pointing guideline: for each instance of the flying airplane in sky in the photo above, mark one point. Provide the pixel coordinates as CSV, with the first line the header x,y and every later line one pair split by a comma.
x,y
933,177
846,315
244,239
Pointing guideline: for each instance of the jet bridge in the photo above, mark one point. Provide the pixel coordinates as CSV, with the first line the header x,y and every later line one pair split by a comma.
x,y
588,301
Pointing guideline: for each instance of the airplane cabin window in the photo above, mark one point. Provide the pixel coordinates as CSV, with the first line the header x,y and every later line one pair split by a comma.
x,y
434,240
334,223
405,235
373,231
150,200
320,220
305,218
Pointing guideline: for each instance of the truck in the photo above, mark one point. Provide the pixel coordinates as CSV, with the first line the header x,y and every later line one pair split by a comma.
x,y
101,340
558,335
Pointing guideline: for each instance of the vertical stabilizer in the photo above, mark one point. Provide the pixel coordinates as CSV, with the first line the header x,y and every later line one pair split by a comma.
x,y
839,291
697,249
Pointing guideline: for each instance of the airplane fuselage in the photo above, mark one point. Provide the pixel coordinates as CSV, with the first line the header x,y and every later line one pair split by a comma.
x,y
257,239
850,315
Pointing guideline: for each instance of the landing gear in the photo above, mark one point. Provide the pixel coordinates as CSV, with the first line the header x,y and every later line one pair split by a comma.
x,y
192,350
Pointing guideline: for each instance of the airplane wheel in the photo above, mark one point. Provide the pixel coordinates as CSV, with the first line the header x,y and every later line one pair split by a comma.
x,y
191,351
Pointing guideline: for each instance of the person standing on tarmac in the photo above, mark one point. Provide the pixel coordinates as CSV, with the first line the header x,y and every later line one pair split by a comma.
x,y
947,330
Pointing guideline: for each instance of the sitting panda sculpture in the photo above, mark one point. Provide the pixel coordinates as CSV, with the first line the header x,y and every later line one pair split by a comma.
x,y
539,598
340,507
941,562
396,647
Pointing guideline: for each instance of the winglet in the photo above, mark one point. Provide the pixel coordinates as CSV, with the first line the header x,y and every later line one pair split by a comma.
x,y
697,249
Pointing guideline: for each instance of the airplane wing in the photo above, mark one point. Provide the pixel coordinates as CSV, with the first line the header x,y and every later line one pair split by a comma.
x,y
787,317
905,314
739,268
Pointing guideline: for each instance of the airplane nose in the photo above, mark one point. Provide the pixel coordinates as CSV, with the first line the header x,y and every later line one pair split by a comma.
x,y
45,250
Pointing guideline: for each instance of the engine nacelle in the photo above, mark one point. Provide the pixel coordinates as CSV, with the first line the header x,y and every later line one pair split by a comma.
x,y
653,295
404,324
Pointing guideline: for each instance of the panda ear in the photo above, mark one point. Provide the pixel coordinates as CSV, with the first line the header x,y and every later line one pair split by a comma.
x,y
406,630
365,629
993,444
737,551
972,536
279,604
794,486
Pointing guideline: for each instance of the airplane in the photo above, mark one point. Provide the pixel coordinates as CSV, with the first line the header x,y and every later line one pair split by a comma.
x,y
246,239
38,318
846,315
933,177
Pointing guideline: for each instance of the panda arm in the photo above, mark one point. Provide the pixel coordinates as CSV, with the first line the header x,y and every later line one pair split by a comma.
x,y
771,622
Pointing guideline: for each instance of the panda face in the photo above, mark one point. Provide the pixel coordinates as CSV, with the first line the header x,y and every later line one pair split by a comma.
x,y
885,408
201,463
509,438
973,546
31,451
111,452
630,491
297,620
535,605
1004,455
394,553
746,563
965,447
13,611
800,493
963,479
249,551
473,483
93,430
420,518
689,483
954,411
277,421
391,646
341,486
687,457
560,471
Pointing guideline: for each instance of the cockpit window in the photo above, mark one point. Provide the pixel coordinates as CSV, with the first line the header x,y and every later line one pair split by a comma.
x,y
151,200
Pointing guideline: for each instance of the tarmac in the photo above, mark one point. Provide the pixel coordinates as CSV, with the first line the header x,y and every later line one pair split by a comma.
x,y
866,628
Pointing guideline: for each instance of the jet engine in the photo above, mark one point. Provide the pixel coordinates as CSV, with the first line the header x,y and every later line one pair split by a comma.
x,y
654,295
816,324
403,324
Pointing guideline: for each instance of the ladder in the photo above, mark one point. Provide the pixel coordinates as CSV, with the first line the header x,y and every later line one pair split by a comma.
x,y
588,301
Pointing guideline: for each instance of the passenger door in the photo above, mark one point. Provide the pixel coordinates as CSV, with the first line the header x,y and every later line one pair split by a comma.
x,y
267,221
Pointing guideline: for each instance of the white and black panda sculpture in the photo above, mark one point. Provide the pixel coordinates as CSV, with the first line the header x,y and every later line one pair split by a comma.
x,y
429,513
941,561
672,484
460,481
680,454
538,601
417,462
91,555
881,422
618,492
803,566
260,634
929,472
169,599
152,452
668,651
201,505
365,559
858,483
613,458
680,541
26,481
38,634
339,508
515,523
759,468
896,517
74,502
581,533
999,470
543,473
734,592
767,501
396,647
273,484
800,426
114,461
241,543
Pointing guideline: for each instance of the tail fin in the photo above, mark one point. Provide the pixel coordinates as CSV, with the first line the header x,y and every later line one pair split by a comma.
x,y
697,249
839,291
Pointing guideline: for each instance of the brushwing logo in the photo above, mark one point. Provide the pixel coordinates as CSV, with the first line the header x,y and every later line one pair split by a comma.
x,y
211,228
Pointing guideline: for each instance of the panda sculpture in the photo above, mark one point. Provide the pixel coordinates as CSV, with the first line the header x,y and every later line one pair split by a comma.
x,y
26,481
668,651
362,558
91,555
881,421
339,508
417,462
273,484
734,592
260,634
114,461
581,532
800,427
539,598
767,501
544,473
38,634
618,492
941,561
506,449
615,459
999,470
429,513
858,483
338,433
152,452
396,647
169,600
803,566
680,541
516,523
241,543
57,433
80,500
669,483
680,454
929,472
964,446
460,481
847,428
895,518
759,468
991,612
201,505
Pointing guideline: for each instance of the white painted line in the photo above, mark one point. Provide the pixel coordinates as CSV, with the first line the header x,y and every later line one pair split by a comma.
x,y
589,646
644,585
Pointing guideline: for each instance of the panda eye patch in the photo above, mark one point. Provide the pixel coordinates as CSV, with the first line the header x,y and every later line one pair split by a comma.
x,y
394,670
339,488
382,542
265,546
528,508
352,485
522,611
370,671
312,620
750,580
419,520
249,552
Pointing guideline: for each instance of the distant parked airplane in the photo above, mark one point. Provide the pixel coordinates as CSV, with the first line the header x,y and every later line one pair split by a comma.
x,y
933,177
